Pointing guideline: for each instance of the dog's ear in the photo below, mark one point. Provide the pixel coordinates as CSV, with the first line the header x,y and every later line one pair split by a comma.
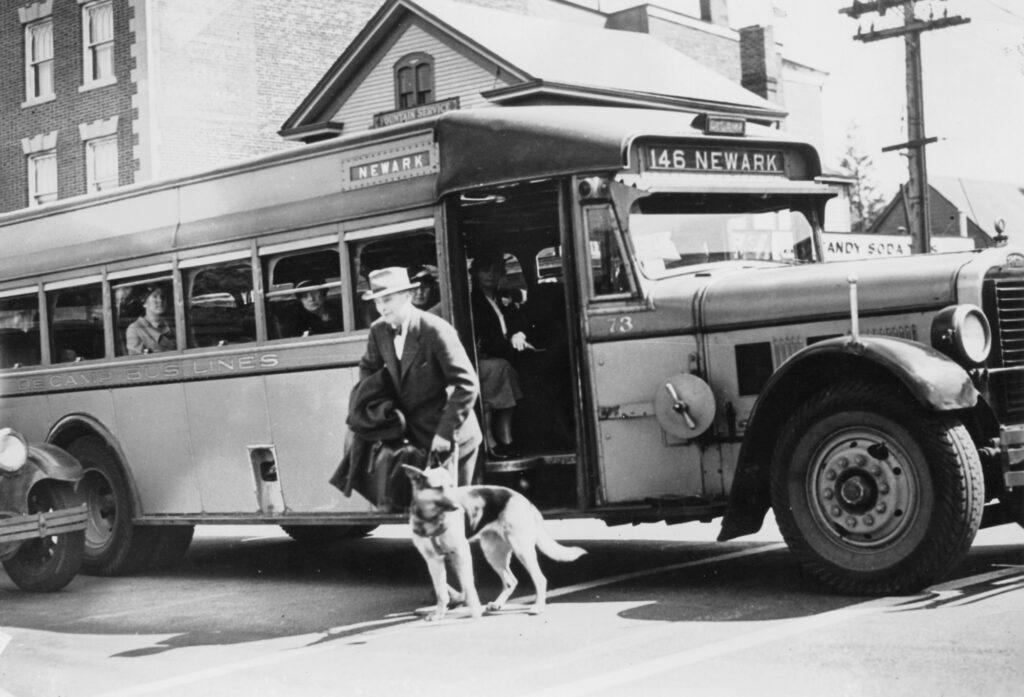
x,y
415,475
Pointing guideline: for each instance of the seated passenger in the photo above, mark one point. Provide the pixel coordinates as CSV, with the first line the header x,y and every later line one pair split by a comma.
x,y
428,296
151,332
315,316
499,331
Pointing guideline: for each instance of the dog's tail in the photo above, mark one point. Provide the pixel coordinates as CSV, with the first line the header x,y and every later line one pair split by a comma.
x,y
554,550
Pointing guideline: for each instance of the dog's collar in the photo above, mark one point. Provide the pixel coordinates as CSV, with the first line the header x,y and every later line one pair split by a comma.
x,y
440,522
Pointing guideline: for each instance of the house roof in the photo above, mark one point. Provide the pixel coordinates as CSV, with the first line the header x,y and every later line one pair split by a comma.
x,y
569,57
984,202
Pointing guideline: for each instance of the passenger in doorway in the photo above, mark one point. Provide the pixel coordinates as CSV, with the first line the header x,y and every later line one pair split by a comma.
x,y
435,384
316,315
500,334
151,332
428,296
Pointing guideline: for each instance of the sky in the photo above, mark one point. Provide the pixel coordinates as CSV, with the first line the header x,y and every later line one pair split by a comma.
x,y
973,81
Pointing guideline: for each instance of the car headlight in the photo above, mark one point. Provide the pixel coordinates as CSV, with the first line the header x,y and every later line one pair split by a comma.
x,y
13,450
962,332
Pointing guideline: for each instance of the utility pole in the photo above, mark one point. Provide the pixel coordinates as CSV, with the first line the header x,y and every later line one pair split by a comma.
x,y
915,194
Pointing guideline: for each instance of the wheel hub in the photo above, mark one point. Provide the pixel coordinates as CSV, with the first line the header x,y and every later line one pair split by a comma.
x,y
861,488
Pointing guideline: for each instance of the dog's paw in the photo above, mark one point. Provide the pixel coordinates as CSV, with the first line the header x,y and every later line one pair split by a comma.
x,y
536,610
434,617
495,607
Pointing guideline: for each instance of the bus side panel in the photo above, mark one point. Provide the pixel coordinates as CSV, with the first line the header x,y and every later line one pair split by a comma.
x,y
637,459
153,434
96,404
225,417
307,418
27,415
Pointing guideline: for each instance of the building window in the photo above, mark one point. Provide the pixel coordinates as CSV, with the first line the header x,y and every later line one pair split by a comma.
x,y
101,164
42,178
39,61
414,80
98,43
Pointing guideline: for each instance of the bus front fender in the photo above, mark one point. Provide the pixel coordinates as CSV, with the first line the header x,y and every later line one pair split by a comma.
x,y
931,378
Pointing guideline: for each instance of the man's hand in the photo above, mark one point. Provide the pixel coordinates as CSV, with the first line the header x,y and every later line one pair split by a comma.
x,y
440,444
519,342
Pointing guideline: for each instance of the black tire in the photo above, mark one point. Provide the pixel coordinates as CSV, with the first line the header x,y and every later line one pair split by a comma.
x,y
49,563
316,534
114,546
171,544
874,494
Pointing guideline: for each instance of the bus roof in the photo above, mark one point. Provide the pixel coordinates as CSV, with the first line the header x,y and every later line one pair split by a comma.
x,y
302,187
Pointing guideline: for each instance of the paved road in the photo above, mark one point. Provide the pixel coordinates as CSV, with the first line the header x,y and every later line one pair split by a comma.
x,y
651,610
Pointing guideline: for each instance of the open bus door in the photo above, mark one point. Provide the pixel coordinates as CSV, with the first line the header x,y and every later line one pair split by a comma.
x,y
524,225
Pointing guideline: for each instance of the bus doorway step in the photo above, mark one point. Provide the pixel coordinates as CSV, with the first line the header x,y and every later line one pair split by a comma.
x,y
530,462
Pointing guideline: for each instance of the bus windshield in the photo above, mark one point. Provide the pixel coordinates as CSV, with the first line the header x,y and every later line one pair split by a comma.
x,y
673,234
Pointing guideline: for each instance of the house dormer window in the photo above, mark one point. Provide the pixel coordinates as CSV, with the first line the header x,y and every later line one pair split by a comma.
x,y
414,80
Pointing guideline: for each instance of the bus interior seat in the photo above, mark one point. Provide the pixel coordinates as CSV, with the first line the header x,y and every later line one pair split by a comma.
x,y
547,406
16,348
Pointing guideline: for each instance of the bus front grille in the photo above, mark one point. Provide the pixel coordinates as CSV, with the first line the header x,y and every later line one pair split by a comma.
x,y
1004,307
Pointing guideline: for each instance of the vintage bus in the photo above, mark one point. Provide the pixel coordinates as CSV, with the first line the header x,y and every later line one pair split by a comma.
x,y
695,357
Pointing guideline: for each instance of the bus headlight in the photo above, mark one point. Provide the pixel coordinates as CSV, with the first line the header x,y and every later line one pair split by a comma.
x,y
962,332
13,450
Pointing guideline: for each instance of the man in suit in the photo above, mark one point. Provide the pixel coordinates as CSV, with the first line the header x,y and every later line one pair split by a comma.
x,y
435,384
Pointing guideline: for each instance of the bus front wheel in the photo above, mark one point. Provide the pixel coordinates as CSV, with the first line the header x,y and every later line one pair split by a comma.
x,y
114,545
874,494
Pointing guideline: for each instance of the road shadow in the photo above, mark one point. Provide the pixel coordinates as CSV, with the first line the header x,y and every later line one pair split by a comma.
x,y
231,591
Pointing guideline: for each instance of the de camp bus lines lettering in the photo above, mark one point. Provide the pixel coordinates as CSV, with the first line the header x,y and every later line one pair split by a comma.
x,y
162,371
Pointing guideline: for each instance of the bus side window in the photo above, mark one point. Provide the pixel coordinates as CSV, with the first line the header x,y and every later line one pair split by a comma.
x,y
413,251
76,323
609,270
219,307
129,307
318,310
19,331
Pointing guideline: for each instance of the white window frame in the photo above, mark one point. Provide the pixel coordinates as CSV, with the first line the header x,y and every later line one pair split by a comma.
x,y
92,183
35,196
90,46
34,92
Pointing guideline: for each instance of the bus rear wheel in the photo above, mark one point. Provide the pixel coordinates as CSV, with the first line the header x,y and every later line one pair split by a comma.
x,y
874,494
48,563
316,534
114,545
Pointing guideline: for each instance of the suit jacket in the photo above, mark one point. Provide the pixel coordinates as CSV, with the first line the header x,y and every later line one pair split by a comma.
x,y
433,363
491,342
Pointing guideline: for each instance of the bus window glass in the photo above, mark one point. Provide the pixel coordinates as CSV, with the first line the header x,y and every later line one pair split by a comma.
x,y
143,316
219,309
316,310
414,251
19,331
609,274
76,323
672,234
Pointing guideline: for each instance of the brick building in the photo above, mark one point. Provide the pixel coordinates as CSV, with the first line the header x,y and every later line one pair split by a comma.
x,y
107,93
103,93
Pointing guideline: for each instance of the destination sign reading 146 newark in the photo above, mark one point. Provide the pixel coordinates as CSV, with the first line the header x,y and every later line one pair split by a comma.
x,y
723,160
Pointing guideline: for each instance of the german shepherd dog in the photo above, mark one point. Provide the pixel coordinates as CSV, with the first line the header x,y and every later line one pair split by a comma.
x,y
445,518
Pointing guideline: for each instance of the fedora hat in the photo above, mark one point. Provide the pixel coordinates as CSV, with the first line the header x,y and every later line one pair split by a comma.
x,y
392,279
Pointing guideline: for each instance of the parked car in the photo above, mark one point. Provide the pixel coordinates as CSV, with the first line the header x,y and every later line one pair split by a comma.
x,y
42,515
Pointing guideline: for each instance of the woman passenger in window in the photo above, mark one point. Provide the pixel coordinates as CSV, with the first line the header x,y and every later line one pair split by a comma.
x,y
316,315
151,332
498,328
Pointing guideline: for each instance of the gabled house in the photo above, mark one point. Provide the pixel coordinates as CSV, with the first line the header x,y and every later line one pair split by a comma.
x,y
964,208
420,57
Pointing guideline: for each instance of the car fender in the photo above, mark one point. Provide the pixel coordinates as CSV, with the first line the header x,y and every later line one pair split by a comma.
x,y
45,461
